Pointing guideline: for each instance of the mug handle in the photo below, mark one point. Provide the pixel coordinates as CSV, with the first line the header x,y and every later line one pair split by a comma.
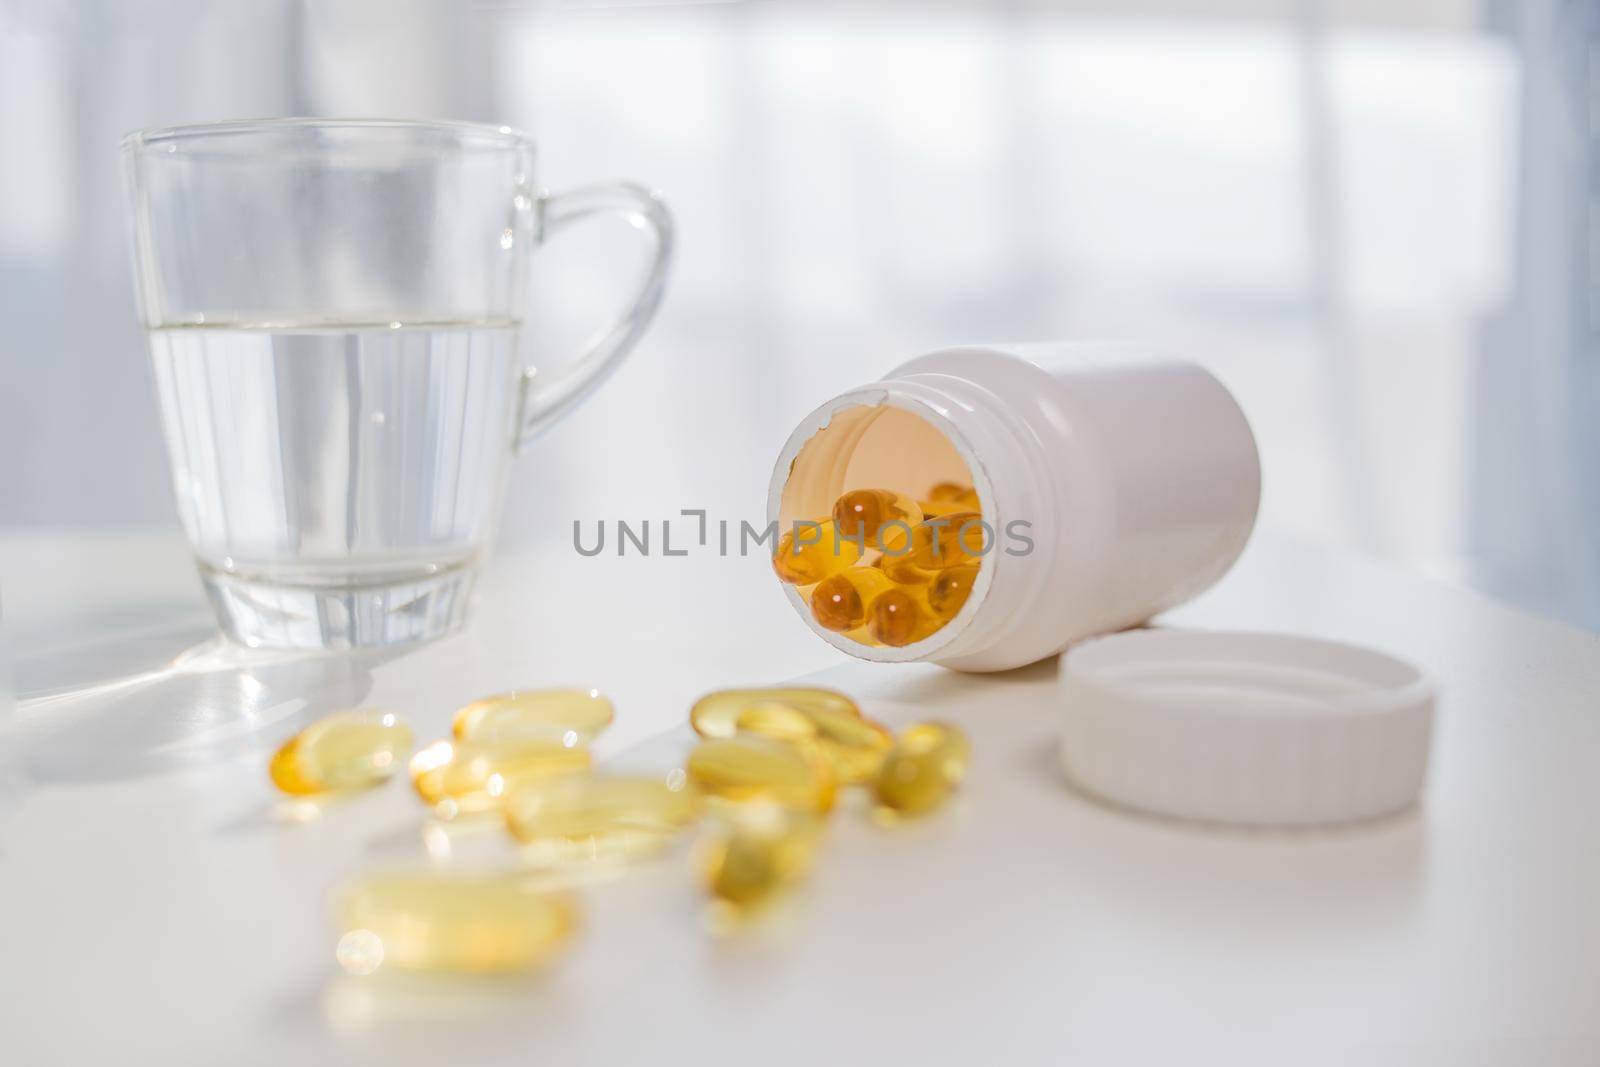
x,y
545,400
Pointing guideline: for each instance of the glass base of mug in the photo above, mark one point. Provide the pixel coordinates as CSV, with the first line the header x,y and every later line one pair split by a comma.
x,y
261,614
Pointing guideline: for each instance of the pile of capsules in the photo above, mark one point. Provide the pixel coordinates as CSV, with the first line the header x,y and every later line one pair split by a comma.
x,y
884,569
761,780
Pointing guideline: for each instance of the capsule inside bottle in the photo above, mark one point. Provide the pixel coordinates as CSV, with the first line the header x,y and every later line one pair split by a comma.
x,y
889,475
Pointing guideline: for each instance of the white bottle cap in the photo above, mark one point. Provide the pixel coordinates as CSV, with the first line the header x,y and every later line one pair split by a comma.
x,y
1264,729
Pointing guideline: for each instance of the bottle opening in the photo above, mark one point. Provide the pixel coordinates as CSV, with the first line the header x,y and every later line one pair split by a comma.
x,y
882,545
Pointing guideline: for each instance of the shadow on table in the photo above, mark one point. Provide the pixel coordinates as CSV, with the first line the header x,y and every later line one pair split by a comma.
x,y
165,698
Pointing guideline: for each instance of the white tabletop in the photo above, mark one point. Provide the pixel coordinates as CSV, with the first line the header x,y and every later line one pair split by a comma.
x,y
156,907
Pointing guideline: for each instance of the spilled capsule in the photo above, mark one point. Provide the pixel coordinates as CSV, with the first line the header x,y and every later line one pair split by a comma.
x,y
468,777
717,714
926,765
344,751
852,746
756,769
584,817
450,922
577,716
755,854
778,721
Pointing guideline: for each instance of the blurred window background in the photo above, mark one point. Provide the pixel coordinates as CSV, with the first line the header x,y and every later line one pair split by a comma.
x,y
1371,219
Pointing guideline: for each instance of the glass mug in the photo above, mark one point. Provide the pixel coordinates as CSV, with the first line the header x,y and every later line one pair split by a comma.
x,y
333,309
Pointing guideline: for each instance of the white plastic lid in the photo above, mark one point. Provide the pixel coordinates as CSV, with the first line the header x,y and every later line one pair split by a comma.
x,y
1264,729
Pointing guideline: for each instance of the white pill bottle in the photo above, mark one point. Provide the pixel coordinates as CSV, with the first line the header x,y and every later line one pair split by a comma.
x,y
1114,484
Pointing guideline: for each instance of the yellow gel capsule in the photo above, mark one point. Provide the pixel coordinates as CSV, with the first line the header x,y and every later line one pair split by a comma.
x,y
863,514
467,777
781,722
759,853
573,716
902,571
954,493
813,552
840,603
717,714
746,769
851,745
347,750
940,509
924,768
454,923
898,618
957,539
862,635
950,590
599,817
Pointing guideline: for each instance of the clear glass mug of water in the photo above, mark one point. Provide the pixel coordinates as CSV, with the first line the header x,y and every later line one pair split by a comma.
x,y
333,312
